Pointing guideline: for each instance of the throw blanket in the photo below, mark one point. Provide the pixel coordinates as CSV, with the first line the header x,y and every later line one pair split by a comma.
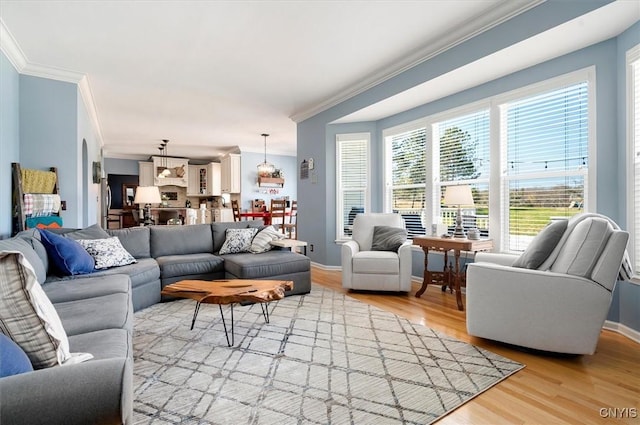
x,y
40,205
626,271
37,181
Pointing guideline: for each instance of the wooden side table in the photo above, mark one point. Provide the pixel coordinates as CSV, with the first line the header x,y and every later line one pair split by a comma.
x,y
445,245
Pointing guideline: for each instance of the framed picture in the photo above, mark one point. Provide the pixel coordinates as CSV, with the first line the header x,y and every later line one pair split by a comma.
x,y
97,172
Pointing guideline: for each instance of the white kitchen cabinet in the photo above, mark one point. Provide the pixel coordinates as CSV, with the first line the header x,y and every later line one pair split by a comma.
x,y
145,173
204,180
230,171
177,171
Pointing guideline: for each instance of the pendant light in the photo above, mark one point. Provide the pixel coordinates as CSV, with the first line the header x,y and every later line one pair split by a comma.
x,y
265,169
166,171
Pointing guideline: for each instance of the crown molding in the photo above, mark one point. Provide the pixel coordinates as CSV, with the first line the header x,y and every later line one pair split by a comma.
x,y
10,48
467,30
18,59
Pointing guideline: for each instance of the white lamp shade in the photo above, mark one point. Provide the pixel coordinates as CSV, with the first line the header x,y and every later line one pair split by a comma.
x,y
458,195
147,195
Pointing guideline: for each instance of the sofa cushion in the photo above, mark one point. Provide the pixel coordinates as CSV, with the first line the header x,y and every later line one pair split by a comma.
x,y
91,232
219,231
107,252
28,317
14,360
113,311
541,245
238,240
32,236
261,241
189,264
387,238
22,245
583,247
103,344
64,290
145,270
271,263
376,262
67,255
135,240
174,240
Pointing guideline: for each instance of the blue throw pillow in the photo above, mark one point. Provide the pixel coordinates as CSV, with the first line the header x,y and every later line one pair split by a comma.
x,y
13,359
68,256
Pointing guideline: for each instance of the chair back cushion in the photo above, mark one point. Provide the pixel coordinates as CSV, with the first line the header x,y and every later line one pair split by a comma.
x,y
364,223
583,247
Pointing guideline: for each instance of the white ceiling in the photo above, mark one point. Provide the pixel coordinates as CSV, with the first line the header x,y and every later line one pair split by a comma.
x,y
211,75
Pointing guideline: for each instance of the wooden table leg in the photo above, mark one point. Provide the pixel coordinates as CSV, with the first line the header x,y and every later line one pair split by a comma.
x,y
456,278
426,275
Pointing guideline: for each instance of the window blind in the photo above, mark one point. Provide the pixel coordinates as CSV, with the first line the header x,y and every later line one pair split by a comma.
x,y
352,182
635,117
546,161
464,158
408,177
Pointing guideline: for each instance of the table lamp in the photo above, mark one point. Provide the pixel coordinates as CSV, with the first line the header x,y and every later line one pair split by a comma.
x,y
458,196
147,195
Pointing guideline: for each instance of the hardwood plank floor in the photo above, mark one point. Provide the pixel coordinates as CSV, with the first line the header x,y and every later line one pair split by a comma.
x,y
551,389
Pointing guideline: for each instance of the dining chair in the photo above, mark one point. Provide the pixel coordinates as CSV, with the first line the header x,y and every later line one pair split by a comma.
x,y
236,210
292,226
278,212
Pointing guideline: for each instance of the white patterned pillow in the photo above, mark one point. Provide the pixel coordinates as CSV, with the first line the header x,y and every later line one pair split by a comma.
x,y
28,317
237,240
260,242
107,252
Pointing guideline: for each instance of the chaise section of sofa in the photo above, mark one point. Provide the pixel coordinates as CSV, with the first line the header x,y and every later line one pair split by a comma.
x,y
97,315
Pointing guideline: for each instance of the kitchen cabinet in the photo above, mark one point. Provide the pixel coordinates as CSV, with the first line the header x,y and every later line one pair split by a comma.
x,y
230,171
170,171
204,180
145,173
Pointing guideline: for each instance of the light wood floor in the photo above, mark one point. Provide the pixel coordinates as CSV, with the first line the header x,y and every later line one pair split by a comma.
x,y
549,390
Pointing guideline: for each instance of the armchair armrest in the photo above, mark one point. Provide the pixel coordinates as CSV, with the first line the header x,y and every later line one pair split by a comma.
x,y
496,258
348,250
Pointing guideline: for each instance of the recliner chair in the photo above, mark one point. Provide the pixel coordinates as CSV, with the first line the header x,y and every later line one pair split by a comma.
x,y
375,270
558,306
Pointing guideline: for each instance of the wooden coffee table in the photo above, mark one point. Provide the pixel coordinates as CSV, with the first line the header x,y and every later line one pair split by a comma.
x,y
229,292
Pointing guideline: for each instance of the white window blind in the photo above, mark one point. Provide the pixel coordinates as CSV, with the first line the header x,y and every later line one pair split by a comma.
x,y
546,161
634,117
463,151
352,181
407,178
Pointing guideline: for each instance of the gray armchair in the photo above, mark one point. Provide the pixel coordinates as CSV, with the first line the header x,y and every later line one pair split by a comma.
x,y
559,305
363,268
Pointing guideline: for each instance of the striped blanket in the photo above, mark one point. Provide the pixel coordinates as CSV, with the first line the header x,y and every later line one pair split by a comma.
x,y
40,205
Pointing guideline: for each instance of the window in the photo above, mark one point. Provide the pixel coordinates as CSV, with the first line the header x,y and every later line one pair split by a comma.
x,y
463,158
526,155
405,176
546,154
633,140
352,181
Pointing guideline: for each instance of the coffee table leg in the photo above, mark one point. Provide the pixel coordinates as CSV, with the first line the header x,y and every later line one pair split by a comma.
x,y
224,324
265,311
195,314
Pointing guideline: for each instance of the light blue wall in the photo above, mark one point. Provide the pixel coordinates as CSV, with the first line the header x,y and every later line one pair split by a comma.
x,y
48,136
121,166
626,307
250,189
316,136
9,137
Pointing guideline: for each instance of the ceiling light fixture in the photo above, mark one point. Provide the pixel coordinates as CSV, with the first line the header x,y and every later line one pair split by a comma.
x,y
163,159
265,169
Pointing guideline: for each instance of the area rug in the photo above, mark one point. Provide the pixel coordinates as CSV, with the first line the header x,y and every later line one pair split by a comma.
x,y
324,358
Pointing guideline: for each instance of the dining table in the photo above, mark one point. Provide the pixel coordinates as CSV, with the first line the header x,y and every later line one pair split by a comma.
x,y
264,215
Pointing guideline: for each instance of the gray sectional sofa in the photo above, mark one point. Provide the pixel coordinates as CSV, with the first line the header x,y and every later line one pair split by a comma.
x,y
97,313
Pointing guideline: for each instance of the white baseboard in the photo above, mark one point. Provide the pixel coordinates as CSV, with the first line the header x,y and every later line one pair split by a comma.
x,y
632,334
